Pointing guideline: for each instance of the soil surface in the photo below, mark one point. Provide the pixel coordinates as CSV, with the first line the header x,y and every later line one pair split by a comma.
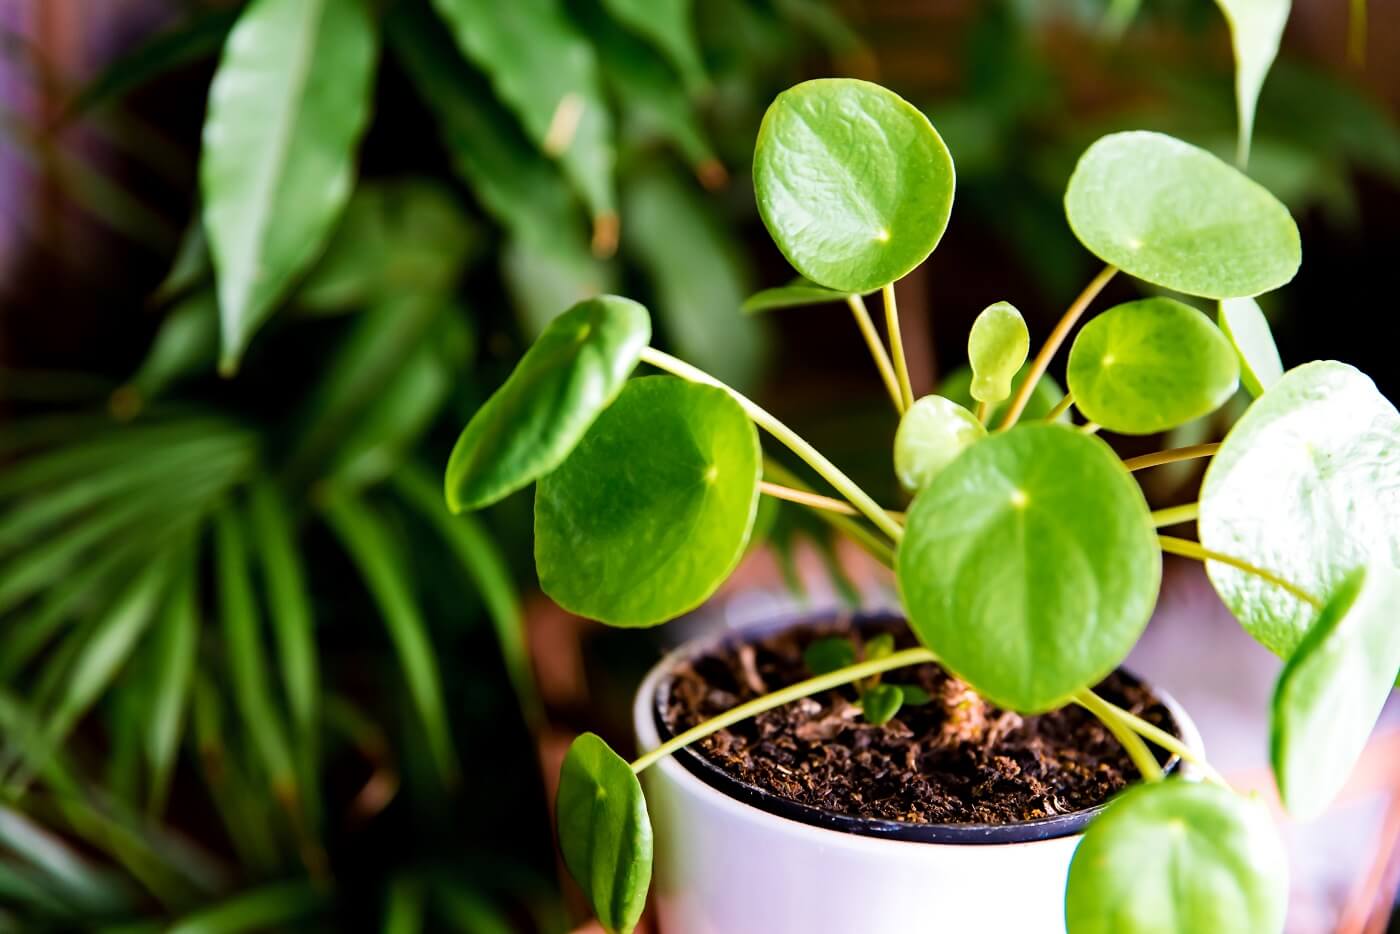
x,y
954,760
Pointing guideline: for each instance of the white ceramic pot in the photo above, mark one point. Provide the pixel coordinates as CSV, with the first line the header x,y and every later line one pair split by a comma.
x,y
730,866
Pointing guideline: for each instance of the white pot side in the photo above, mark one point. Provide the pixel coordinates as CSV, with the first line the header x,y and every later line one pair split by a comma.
x,y
723,866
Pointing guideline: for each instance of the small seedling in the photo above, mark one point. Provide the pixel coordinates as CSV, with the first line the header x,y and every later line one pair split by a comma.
x,y
1029,561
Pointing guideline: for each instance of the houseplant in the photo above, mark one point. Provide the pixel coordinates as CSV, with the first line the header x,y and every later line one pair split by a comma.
x,y
1028,562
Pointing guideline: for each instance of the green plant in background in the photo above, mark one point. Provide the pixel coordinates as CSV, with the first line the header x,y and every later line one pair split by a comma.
x,y
1025,533
186,577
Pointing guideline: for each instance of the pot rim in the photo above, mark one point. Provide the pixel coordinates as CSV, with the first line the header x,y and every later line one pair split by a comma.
x,y
648,713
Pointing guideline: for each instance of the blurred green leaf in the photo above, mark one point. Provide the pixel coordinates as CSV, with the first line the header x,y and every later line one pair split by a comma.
x,y
175,642
247,661
698,278
293,626
401,235
191,264
274,905
469,913
546,72
286,110
186,344
486,567
199,36
61,872
881,703
405,907
546,277
670,25
828,654
518,186
380,563
378,343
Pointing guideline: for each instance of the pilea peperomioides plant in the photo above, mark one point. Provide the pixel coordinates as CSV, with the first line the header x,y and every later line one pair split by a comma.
x,y
1029,561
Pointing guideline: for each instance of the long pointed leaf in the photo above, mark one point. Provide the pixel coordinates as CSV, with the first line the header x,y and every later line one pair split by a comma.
x,y
286,111
376,556
271,906
246,659
176,640
294,628
486,567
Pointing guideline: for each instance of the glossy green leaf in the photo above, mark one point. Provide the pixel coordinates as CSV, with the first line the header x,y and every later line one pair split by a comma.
x,y
1175,215
997,347
247,659
1333,688
1307,486
1256,27
604,832
517,185
546,72
1244,324
407,234
1150,365
286,110
670,24
957,386
653,509
828,654
486,567
572,372
931,434
883,182
698,277
796,294
380,562
881,703
1178,857
1031,566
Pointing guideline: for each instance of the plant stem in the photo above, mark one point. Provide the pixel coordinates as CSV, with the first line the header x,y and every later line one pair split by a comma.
x,y
1171,456
786,695
1132,743
814,500
901,365
1190,549
804,498
1060,408
1052,344
849,527
1162,738
877,349
1176,515
794,442
984,409
1090,428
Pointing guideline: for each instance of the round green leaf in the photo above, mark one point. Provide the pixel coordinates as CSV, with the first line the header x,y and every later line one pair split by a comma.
x,y
604,832
997,347
1178,857
651,512
1175,215
828,654
933,432
795,294
852,181
1244,324
957,386
575,368
1306,485
1333,688
881,703
1031,566
1150,365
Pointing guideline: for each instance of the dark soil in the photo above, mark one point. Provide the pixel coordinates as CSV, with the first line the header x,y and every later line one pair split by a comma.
x,y
955,760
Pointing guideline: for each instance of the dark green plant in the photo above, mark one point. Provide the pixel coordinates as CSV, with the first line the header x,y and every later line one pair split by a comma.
x,y
1029,561
187,570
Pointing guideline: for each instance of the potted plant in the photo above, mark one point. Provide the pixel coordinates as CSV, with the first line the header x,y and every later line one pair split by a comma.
x,y
1028,562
